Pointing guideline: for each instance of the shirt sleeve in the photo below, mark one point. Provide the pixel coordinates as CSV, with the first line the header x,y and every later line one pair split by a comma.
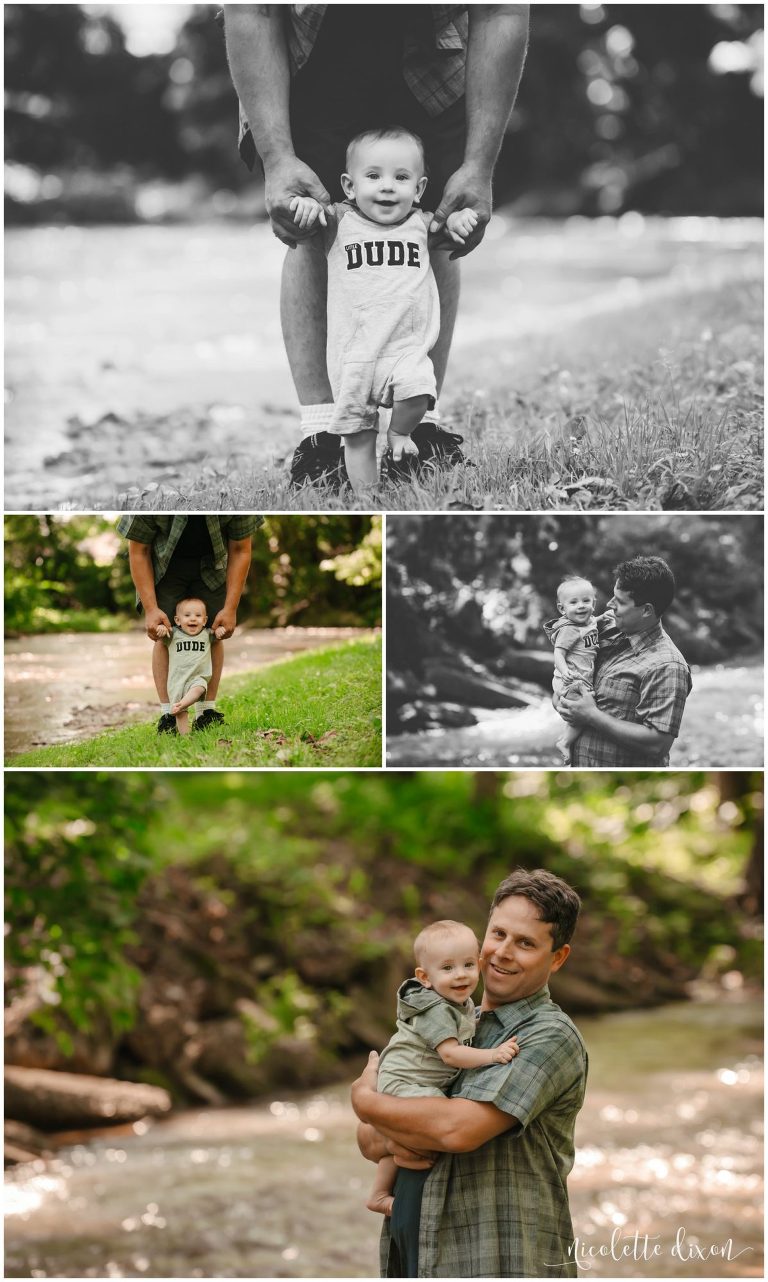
x,y
436,1024
663,692
139,529
566,638
550,1062
241,527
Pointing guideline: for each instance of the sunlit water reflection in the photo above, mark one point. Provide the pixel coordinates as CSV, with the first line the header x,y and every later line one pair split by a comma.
x,y
669,1143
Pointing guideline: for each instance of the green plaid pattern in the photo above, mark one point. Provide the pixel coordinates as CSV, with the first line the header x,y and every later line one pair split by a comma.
x,y
502,1211
164,532
644,679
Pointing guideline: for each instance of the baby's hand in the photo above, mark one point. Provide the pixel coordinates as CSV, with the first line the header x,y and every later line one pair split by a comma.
x,y
161,631
400,445
220,633
507,1051
175,709
460,224
306,211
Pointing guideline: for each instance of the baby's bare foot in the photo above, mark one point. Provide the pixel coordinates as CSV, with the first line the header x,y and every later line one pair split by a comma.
x,y
381,1203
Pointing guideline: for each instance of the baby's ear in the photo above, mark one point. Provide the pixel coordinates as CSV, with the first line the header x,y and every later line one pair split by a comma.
x,y
421,184
422,977
348,186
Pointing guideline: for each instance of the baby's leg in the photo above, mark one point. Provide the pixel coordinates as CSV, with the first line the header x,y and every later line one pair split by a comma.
x,y
406,415
566,740
179,710
381,1198
360,459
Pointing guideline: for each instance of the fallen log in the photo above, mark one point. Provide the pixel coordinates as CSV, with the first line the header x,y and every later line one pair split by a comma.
x,y
54,1101
476,691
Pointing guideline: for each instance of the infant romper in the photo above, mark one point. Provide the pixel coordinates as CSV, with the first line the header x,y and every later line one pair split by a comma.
x,y
383,316
189,662
409,1063
579,644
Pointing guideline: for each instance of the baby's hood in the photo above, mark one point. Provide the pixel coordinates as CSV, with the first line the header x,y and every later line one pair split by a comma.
x,y
553,626
413,999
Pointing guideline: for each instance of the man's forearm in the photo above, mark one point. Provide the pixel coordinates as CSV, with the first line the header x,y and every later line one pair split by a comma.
x,y
498,39
238,565
260,69
630,734
439,1125
143,573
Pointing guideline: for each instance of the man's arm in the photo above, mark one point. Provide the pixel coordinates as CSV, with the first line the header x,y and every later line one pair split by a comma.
x,y
260,69
238,565
441,1125
581,710
498,39
143,575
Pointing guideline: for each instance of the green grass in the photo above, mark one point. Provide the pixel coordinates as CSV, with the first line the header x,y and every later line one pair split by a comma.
x,y
317,709
655,407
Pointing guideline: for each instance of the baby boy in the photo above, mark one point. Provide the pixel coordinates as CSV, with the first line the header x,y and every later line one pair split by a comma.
x,y
189,658
575,638
383,306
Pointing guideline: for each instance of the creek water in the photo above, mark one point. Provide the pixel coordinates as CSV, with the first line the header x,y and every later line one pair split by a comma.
x,y
67,686
667,1174
722,727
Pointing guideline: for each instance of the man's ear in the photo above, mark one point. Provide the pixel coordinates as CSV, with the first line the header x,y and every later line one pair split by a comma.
x,y
421,184
348,186
559,956
422,976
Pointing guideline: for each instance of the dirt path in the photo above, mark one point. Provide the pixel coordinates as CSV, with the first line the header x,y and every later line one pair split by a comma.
x,y
147,356
66,687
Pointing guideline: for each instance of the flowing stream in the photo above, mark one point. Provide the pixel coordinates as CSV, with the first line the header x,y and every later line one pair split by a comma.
x,y
667,1175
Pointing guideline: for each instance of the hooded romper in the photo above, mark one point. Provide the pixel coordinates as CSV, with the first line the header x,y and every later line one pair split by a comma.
x,y
383,316
409,1064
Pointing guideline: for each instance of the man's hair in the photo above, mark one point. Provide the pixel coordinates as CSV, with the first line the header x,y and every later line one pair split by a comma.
x,y
425,937
557,902
387,131
648,580
575,578
185,600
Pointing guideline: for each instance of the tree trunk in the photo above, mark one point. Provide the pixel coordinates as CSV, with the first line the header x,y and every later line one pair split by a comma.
x,y
65,1101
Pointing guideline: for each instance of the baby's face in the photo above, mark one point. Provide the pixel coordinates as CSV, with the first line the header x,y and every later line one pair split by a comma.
x,y
191,617
386,177
576,600
451,965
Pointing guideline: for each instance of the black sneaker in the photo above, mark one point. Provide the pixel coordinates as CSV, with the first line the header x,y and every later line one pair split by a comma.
x,y
437,448
167,724
319,457
208,717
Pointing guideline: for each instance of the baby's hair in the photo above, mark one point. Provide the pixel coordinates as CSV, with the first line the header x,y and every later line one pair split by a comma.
x,y
575,578
186,600
445,927
388,131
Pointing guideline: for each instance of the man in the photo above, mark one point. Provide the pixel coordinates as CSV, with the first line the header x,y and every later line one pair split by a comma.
x,y
641,679
173,557
494,1203
309,78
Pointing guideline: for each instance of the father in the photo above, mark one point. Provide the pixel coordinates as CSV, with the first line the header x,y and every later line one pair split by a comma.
x,y
310,77
172,557
641,679
495,1203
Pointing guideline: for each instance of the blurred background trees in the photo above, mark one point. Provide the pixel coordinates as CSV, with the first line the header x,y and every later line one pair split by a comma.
x,y
71,573
239,929
126,112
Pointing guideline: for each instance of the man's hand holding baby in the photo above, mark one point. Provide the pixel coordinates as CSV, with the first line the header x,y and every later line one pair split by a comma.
x,y
577,706
224,624
157,623
466,190
287,180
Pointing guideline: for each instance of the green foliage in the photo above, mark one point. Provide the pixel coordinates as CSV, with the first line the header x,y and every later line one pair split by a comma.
x,y
362,566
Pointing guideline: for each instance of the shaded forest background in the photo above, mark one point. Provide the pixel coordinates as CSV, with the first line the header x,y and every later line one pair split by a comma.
x,y
214,933
65,574
466,599
656,108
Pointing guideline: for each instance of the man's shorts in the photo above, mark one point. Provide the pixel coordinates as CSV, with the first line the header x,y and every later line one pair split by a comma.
x,y
182,579
339,92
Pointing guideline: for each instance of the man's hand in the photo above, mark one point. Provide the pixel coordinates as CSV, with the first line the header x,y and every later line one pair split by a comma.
x,y
284,180
467,188
155,621
577,709
224,624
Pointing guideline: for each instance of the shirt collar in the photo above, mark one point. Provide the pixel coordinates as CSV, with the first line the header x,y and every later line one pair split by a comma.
x,y
512,1012
641,640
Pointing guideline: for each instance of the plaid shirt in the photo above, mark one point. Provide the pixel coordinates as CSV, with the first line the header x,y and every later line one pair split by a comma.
x,y
643,679
434,73
502,1210
164,532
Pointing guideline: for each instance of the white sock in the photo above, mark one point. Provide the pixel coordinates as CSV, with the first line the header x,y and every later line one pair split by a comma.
x,y
165,707
206,704
315,418
433,415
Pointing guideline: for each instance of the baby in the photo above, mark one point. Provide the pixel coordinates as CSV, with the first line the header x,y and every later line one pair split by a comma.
x,y
435,1022
575,638
383,307
189,658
